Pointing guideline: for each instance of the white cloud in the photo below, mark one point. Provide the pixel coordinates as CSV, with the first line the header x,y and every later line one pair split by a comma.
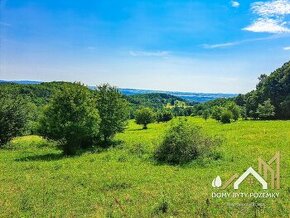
x,y
267,25
271,8
149,53
235,4
287,48
271,17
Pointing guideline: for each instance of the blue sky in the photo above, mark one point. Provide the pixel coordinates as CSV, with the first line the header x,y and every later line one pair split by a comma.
x,y
197,45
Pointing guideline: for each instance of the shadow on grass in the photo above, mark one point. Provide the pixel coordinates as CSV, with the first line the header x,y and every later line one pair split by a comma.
x,y
43,157
58,156
137,129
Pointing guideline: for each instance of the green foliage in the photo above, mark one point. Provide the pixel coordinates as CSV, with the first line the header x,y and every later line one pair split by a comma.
x,y
144,116
285,106
14,116
236,111
226,116
38,94
71,118
183,143
153,100
113,110
164,115
275,87
206,114
266,110
217,112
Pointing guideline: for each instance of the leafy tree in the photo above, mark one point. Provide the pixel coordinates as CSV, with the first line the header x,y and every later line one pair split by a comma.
x,y
244,113
113,110
205,114
275,87
234,108
217,112
285,106
164,116
13,117
226,116
145,116
266,110
71,118
183,143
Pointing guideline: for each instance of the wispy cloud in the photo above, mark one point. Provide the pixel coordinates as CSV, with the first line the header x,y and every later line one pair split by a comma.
x,y
271,8
271,17
234,43
221,45
235,4
287,48
268,25
149,53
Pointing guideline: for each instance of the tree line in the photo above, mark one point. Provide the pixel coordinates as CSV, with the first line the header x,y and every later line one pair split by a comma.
x,y
270,100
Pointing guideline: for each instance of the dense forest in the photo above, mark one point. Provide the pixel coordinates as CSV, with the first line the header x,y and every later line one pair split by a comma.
x,y
271,99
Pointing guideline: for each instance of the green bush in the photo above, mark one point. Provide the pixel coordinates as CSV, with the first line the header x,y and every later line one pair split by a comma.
x,y
113,110
216,112
235,109
145,116
14,116
164,116
205,114
183,143
226,116
71,118
266,110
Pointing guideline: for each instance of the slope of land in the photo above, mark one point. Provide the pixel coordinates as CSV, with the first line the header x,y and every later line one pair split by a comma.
x,y
37,181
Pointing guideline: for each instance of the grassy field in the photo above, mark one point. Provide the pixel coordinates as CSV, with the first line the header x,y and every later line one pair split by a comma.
x,y
125,181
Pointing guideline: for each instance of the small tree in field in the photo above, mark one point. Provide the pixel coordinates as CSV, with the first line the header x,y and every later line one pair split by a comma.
x,y
216,112
266,110
145,116
234,108
113,110
226,116
205,114
71,118
13,117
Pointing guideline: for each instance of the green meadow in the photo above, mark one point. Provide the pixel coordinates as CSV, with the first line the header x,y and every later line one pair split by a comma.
x,y
124,180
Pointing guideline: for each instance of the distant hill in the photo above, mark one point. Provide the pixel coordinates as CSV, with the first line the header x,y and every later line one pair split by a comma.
x,y
24,82
40,93
188,96
155,100
37,93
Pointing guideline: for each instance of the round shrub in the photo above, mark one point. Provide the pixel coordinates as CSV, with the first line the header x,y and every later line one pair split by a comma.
x,y
226,116
164,116
183,143
144,116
